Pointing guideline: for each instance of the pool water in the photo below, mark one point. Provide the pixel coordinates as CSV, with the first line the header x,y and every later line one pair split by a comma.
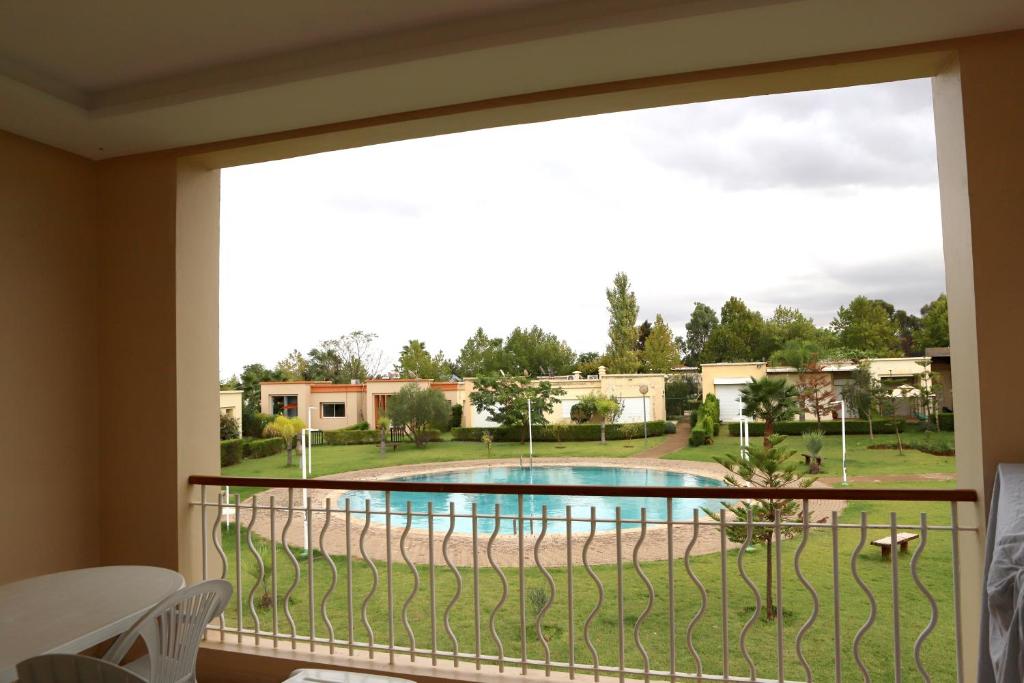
x,y
533,504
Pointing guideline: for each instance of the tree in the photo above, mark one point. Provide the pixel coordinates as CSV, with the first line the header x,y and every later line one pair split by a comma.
x,y
741,336
536,352
789,324
294,366
589,362
415,361
622,334
643,330
767,466
228,427
797,353
505,398
383,425
863,393
814,387
702,323
287,428
681,393
419,411
481,355
771,400
252,376
934,330
603,407
907,327
349,357
659,353
866,324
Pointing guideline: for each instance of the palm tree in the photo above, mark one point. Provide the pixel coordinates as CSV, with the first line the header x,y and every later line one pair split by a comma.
x,y
771,400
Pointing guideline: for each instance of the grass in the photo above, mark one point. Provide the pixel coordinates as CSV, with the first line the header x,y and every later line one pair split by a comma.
x,y
860,460
876,649
337,459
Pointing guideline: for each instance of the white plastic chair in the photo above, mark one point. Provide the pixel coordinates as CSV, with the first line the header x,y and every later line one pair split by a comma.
x,y
73,669
172,631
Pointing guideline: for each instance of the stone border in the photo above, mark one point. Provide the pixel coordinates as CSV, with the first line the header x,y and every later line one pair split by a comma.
x,y
505,549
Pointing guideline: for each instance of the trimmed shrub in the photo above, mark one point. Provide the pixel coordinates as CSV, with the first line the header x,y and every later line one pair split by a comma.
x,y
694,417
228,428
565,432
670,427
698,437
946,422
350,436
261,448
357,427
456,418
254,423
832,427
230,452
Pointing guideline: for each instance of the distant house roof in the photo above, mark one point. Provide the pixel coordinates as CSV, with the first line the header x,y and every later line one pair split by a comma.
x,y
937,352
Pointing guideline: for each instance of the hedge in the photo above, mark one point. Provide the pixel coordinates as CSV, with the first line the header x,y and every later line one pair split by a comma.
x,y
348,437
565,432
883,426
261,448
698,437
230,452
670,427
946,422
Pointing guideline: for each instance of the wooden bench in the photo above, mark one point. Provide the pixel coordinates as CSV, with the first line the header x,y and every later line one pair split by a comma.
x,y
903,539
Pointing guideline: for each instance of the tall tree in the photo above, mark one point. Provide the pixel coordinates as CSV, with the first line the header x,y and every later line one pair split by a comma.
x,y
510,400
815,389
536,352
768,466
934,329
415,361
741,336
481,355
589,362
771,400
353,356
797,353
863,393
907,326
292,367
251,377
622,335
643,330
659,353
788,324
867,324
703,321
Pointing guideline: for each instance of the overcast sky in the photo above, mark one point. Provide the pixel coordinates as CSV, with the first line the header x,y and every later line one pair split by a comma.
x,y
804,200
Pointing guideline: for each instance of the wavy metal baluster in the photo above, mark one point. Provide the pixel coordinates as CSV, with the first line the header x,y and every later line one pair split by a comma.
x,y
600,595
897,654
757,597
295,565
810,589
670,551
703,596
504,587
476,583
415,581
432,582
310,582
458,584
389,584
334,574
867,591
259,579
928,596
220,550
620,601
273,568
376,579
650,595
551,587
569,595
239,624
348,575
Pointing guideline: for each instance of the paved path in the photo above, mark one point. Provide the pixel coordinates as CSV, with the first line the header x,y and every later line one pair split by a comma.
x,y
832,480
671,444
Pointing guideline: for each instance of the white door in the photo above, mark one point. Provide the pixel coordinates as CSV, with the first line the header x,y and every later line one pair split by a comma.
x,y
633,409
728,396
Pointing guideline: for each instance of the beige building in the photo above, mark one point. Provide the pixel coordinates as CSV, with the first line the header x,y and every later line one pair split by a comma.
x,y
326,406
725,380
231,405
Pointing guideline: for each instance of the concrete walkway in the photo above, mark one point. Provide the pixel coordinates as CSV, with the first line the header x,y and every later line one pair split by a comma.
x,y
672,443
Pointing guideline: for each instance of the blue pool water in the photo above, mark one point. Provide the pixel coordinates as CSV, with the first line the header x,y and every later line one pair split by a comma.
x,y
533,504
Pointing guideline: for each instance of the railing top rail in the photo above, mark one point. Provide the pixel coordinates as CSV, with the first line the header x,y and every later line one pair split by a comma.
x,y
724,492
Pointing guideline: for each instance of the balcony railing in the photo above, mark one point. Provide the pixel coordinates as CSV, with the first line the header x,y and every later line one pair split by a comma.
x,y
649,596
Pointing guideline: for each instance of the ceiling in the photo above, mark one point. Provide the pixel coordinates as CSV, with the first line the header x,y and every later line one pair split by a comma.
x,y
117,77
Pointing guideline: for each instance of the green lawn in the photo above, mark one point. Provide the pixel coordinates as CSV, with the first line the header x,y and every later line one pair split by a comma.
x,y
816,562
860,460
335,459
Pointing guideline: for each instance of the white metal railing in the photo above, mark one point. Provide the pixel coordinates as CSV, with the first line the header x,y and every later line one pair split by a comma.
x,y
333,575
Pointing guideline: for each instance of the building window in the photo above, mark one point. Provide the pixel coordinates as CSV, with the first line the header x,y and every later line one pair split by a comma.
x,y
332,410
285,405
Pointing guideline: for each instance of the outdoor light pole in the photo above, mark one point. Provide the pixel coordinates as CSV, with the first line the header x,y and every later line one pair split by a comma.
x,y
529,427
842,416
643,398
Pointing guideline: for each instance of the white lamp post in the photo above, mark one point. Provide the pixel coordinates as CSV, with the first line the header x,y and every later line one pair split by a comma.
x,y
842,416
643,399
529,427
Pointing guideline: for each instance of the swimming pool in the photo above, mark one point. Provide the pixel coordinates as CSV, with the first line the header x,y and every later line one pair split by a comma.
x,y
570,475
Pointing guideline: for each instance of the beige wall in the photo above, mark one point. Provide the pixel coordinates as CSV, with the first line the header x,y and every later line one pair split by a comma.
x,y
712,371
48,341
231,404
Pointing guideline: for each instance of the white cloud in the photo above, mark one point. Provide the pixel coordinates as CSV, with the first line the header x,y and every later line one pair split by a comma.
x,y
804,199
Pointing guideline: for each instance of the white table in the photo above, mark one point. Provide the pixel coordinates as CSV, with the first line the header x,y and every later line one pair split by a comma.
x,y
72,611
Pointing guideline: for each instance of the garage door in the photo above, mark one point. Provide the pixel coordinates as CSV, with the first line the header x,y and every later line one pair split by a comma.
x,y
482,418
633,409
729,400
